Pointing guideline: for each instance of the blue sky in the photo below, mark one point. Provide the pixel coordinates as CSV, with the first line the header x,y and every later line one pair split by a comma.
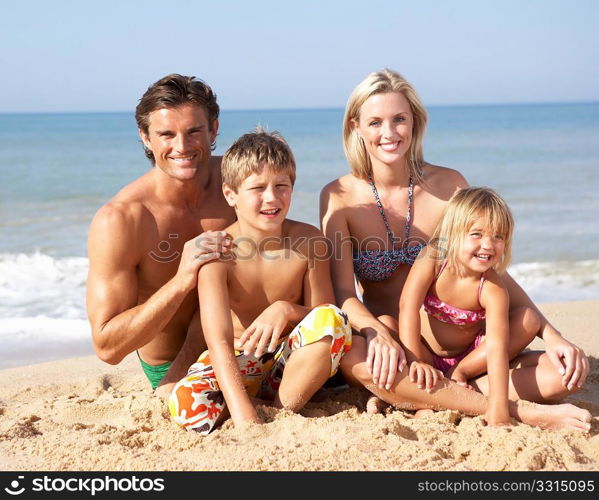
x,y
80,55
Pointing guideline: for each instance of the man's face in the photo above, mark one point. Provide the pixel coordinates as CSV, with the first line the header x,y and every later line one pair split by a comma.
x,y
180,139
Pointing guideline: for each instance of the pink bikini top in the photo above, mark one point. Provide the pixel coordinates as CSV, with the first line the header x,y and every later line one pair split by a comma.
x,y
449,314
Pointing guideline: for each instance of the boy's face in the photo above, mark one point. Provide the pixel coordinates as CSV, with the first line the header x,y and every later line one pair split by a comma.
x,y
262,200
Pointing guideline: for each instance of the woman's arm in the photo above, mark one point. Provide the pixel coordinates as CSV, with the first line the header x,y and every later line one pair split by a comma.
x,y
570,361
218,331
385,356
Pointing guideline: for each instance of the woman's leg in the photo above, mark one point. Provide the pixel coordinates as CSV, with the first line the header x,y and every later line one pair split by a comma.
x,y
449,395
532,377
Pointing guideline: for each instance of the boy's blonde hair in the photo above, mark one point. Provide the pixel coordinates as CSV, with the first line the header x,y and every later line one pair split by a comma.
x,y
463,209
252,152
382,82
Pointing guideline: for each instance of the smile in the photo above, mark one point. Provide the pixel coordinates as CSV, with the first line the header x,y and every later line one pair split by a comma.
x,y
270,212
483,256
389,146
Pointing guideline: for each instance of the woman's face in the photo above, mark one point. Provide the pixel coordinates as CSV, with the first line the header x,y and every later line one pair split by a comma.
x,y
385,123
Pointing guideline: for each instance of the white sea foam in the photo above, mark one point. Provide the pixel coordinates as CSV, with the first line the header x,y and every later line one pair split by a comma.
x,y
42,298
558,281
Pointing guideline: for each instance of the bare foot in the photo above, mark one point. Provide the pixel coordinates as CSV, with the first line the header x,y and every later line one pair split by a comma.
x,y
375,405
423,413
564,416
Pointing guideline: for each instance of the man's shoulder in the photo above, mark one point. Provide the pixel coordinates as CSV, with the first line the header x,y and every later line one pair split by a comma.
x,y
126,208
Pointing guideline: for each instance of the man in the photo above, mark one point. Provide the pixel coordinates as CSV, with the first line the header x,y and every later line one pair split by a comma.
x,y
144,249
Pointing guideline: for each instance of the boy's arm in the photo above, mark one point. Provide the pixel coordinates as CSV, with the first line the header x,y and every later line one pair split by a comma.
x,y
218,332
568,359
266,329
495,300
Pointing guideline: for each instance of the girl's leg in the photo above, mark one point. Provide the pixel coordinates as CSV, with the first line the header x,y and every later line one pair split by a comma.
x,y
524,326
449,395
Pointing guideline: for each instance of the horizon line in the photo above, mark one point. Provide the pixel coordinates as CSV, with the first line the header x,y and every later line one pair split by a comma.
x,y
324,108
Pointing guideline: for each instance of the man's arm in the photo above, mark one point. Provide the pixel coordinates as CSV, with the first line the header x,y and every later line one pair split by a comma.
x,y
119,324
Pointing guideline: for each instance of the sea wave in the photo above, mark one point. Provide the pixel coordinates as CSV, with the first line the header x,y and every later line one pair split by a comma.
x,y
44,296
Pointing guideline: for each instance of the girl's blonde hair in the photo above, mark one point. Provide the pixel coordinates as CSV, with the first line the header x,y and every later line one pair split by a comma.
x,y
463,209
382,82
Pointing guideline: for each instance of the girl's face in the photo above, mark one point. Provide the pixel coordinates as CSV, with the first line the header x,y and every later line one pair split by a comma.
x,y
385,124
481,249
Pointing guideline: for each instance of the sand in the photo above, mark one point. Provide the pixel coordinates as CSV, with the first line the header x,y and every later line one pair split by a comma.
x,y
81,414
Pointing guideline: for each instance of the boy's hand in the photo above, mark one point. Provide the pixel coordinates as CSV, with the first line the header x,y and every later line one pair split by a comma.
x,y
424,375
208,246
265,330
164,391
385,358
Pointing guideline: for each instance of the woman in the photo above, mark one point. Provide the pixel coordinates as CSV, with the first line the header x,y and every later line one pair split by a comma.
x,y
379,218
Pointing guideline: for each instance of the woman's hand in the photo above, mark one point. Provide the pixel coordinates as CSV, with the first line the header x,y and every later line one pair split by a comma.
x,y
571,361
385,358
424,375
265,330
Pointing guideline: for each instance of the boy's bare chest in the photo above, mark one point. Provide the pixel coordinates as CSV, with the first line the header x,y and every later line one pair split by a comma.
x,y
258,282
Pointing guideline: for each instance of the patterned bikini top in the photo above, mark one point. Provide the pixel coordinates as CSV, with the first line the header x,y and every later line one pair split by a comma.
x,y
449,314
379,265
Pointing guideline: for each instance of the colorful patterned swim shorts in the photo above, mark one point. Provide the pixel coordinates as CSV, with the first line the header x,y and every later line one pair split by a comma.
x,y
196,401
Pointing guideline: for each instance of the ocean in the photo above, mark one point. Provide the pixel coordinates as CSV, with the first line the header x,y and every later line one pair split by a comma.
x,y
56,170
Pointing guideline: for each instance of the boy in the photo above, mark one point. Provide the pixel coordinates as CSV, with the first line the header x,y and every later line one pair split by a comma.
x,y
267,332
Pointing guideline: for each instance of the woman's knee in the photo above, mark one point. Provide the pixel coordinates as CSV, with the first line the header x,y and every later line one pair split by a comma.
x,y
528,318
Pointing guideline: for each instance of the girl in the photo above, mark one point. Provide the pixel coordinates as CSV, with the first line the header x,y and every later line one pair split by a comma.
x,y
458,281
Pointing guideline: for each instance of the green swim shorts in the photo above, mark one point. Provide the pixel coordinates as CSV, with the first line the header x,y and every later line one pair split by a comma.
x,y
155,373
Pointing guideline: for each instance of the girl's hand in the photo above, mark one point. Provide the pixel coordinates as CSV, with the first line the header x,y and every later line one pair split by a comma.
x,y
385,358
459,377
497,415
265,330
424,375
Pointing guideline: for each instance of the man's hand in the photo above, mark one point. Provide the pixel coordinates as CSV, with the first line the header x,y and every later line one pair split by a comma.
x,y
208,246
265,330
385,358
570,361
424,375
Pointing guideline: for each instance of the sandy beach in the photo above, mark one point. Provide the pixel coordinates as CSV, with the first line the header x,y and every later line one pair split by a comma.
x,y
81,414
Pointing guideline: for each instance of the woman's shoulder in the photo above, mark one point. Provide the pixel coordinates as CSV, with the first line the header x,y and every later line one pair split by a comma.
x,y
340,189
443,181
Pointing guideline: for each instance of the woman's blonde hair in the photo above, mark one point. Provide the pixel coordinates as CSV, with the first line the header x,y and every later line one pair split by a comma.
x,y
382,82
463,209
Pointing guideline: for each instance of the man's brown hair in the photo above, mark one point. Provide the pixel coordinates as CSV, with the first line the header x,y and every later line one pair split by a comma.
x,y
172,91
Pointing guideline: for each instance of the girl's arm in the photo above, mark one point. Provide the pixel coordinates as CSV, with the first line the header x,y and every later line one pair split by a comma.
x,y
417,284
495,300
218,331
